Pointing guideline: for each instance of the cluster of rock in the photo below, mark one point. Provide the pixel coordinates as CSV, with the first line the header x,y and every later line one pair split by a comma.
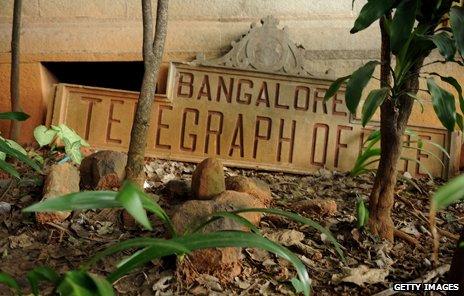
x,y
212,192
209,192
98,171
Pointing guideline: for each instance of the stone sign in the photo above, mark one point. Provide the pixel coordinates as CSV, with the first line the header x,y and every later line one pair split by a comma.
x,y
233,108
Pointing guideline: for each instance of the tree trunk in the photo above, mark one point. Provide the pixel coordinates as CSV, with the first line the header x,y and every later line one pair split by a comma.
x,y
14,79
394,115
456,272
153,47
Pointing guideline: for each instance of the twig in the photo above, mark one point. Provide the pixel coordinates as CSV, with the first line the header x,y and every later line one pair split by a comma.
x,y
424,279
407,238
7,188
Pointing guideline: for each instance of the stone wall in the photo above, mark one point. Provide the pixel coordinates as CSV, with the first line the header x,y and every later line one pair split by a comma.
x,y
111,30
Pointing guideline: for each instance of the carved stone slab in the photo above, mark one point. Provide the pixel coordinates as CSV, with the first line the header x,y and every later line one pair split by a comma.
x,y
248,119
265,48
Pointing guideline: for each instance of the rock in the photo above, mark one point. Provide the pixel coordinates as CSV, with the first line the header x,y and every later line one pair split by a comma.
x,y
103,170
317,206
5,207
61,180
191,214
208,179
232,200
223,263
255,187
178,189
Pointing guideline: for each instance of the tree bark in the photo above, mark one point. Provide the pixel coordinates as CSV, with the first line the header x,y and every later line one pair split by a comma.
x,y
153,47
14,78
456,272
394,115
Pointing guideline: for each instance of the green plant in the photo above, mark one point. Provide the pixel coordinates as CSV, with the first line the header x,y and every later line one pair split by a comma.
x,y
74,282
136,202
450,193
410,30
9,148
362,213
371,152
71,140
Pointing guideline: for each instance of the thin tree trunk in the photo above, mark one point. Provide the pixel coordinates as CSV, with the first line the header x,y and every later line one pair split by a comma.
x,y
153,47
456,272
14,79
394,115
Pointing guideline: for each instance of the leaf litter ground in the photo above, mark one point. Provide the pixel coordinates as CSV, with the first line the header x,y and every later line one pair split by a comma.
x,y
371,265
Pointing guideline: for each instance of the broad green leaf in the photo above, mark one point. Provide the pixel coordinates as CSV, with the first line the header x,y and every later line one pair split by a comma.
x,y
6,167
445,45
362,213
375,135
64,132
84,200
10,282
453,82
334,87
19,116
153,207
104,287
371,11
129,197
41,274
140,242
357,83
402,24
77,283
451,192
44,136
146,255
4,147
14,145
457,26
73,150
297,284
373,101
87,200
443,104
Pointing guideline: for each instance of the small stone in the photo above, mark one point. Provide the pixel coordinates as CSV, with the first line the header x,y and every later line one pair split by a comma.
x,y
317,206
103,170
178,189
407,175
61,180
208,179
5,207
255,187
223,263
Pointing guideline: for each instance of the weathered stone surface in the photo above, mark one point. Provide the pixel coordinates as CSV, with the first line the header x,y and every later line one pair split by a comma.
x,y
277,123
179,189
208,179
224,263
61,180
103,170
255,187
317,206
232,200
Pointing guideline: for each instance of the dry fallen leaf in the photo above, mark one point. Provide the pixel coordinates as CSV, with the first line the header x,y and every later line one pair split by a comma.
x,y
287,237
362,275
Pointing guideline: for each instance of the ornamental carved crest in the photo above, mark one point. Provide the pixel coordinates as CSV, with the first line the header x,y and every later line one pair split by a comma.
x,y
265,48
